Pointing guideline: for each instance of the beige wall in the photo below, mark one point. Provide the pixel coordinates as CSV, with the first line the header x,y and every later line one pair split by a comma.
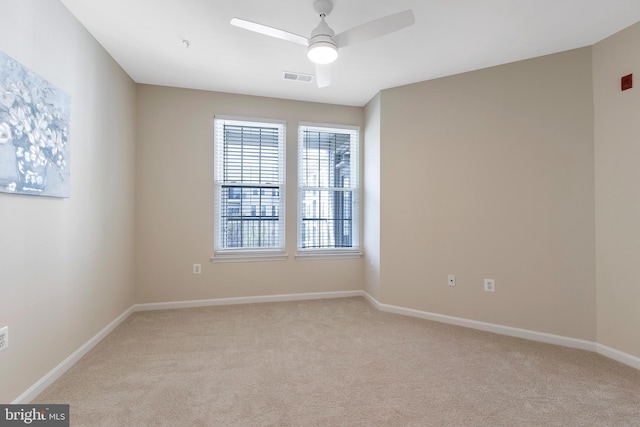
x,y
617,177
66,265
484,174
489,174
371,166
174,206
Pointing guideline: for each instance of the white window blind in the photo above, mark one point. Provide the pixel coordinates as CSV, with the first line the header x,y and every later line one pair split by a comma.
x,y
328,188
249,185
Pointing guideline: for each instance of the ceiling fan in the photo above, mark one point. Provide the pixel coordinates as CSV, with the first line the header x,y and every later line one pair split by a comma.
x,y
323,43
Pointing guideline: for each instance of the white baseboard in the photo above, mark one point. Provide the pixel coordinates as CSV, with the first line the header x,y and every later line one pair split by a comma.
x,y
67,363
603,350
56,372
245,300
488,327
619,356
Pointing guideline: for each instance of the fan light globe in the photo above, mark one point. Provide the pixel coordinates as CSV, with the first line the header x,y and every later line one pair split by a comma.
x,y
322,53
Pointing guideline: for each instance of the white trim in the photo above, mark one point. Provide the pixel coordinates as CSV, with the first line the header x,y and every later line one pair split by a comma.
x,y
240,119
332,254
619,356
608,352
374,302
355,187
245,300
249,257
488,327
56,372
44,382
219,142
328,126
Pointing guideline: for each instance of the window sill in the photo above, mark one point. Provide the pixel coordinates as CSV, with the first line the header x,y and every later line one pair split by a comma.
x,y
249,256
328,254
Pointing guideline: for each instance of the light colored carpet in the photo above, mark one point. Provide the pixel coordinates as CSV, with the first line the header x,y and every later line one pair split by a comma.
x,y
335,363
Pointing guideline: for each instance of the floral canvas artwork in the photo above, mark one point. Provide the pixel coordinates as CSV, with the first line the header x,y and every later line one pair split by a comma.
x,y
34,133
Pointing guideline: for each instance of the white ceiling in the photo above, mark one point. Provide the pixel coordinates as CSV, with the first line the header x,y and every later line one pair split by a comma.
x,y
450,36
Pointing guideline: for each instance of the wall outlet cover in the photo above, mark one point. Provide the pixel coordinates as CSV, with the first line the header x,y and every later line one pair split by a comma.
x,y
4,338
197,268
489,285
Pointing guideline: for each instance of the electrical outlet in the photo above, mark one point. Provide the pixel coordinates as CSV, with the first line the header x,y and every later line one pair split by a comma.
x,y
489,285
4,338
452,280
197,268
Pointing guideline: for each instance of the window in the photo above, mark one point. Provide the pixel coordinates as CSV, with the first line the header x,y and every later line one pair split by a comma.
x,y
328,190
249,183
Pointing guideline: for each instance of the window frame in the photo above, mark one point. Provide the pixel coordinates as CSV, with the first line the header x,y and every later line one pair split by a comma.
x,y
241,254
336,252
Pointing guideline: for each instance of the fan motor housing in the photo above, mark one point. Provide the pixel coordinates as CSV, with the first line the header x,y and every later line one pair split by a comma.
x,y
322,35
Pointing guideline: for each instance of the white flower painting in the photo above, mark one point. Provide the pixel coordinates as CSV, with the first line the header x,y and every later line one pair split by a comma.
x,y
34,133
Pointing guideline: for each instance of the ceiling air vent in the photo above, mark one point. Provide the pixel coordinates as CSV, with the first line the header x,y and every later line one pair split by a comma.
x,y
297,77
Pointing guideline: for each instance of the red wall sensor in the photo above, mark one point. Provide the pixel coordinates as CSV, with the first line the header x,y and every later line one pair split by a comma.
x,y
626,82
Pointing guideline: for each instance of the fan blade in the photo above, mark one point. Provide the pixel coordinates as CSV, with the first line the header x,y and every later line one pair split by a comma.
x,y
269,31
323,75
377,28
